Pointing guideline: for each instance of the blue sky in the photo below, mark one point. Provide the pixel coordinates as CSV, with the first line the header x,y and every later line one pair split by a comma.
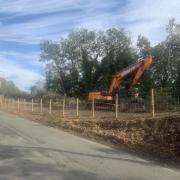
x,y
25,23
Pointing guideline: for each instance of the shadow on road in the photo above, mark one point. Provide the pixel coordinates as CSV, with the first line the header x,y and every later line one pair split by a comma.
x,y
17,151
15,162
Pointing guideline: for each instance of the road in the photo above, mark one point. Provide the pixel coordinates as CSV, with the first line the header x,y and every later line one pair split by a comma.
x,y
31,151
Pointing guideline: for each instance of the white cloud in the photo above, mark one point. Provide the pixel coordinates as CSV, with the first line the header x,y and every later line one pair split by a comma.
x,y
21,7
149,17
22,58
24,78
34,31
34,6
51,26
146,17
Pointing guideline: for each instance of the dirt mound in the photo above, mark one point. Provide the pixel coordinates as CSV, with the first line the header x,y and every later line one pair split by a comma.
x,y
160,136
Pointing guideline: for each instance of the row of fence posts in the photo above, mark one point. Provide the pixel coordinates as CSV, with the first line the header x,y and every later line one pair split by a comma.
x,y
20,103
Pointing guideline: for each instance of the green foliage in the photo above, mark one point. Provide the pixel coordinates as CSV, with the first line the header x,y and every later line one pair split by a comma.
x,y
144,46
166,70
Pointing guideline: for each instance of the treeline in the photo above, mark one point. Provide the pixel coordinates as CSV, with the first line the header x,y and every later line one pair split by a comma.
x,y
8,89
86,60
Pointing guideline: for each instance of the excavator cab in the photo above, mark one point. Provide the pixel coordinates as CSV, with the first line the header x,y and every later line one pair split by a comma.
x,y
129,93
131,101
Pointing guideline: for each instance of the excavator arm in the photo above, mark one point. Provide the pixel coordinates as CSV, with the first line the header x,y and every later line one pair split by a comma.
x,y
140,66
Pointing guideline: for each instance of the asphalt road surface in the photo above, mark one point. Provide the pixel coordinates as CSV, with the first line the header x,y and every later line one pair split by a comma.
x,y
32,151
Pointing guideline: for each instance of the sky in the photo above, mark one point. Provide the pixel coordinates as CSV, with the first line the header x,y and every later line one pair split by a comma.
x,y
26,23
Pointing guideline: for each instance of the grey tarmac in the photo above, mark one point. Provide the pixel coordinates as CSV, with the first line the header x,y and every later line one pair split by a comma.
x,y
31,151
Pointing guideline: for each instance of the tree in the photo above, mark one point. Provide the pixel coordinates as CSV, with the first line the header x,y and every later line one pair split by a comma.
x,y
78,61
144,46
166,70
56,66
145,49
8,89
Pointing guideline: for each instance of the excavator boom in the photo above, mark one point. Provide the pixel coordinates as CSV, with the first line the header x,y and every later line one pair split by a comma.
x,y
140,66
144,67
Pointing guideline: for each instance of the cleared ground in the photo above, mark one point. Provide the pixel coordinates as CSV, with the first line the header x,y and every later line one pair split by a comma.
x,y
32,151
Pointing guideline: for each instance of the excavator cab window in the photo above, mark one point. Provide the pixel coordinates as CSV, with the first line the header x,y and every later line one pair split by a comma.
x,y
131,93
104,93
124,92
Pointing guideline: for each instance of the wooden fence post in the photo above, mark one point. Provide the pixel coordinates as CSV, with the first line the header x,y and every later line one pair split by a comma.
x,y
8,104
1,101
24,102
12,106
50,106
152,102
93,114
18,105
116,106
5,103
32,105
77,107
63,107
41,105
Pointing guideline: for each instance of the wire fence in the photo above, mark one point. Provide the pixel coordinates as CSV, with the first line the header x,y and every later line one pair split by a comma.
x,y
159,103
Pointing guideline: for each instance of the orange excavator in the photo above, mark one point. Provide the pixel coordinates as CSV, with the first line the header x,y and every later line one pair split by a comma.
x,y
140,67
